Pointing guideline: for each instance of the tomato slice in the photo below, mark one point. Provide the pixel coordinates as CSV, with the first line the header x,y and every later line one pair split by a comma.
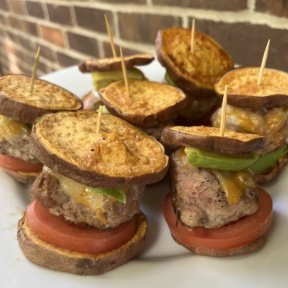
x,y
234,235
15,164
56,231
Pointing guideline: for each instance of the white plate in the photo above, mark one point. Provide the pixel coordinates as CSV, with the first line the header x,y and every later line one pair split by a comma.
x,y
163,263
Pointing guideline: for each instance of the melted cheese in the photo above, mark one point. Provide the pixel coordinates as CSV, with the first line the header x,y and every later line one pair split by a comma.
x,y
11,129
77,191
234,184
245,120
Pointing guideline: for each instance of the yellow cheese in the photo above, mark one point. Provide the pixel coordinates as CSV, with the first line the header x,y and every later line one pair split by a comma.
x,y
77,191
245,120
11,129
234,184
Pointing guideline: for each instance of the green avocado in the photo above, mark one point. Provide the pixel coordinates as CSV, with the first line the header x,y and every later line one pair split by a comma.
x,y
117,194
268,160
168,79
211,160
101,84
102,79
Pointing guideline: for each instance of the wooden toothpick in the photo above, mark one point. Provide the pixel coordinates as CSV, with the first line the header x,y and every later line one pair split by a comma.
x,y
109,31
94,153
263,63
35,67
124,71
99,115
192,41
223,112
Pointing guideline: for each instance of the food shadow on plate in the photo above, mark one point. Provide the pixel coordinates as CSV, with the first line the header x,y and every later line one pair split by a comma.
x,y
152,206
24,193
15,197
274,187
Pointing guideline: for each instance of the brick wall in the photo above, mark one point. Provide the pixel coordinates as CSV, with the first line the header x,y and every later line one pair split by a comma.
x,y
70,31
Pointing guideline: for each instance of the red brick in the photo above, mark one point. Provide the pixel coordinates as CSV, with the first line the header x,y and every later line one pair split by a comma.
x,y
2,33
59,14
83,44
246,42
4,69
13,36
108,53
14,22
24,69
3,20
125,1
35,9
3,5
92,19
23,25
30,27
142,27
53,35
222,5
276,7
4,65
43,68
26,42
18,6
24,56
66,60
48,53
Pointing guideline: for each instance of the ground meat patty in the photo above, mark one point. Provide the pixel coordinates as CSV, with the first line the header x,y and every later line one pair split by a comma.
x,y
18,148
107,212
198,198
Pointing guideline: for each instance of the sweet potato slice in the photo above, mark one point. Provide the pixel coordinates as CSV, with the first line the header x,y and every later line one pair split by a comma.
x,y
149,103
191,71
208,138
243,90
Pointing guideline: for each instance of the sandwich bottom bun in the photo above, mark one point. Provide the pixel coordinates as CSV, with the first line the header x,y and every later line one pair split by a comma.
x,y
44,254
240,237
273,173
22,177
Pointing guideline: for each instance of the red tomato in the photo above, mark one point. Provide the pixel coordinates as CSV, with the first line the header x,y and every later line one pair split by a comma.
x,y
56,231
15,164
233,235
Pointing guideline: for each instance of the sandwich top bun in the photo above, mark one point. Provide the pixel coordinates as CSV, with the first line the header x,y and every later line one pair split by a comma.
x,y
119,154
114,64
191,71
149,103
208,138
17,102
243,90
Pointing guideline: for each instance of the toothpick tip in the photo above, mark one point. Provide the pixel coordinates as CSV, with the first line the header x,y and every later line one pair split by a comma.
x,y
223,112
34,72
263,63
192,40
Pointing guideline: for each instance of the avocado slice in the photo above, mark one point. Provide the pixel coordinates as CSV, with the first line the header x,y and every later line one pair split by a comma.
x,y
101,84
268,160
117,194
211,160
102,79
168,79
